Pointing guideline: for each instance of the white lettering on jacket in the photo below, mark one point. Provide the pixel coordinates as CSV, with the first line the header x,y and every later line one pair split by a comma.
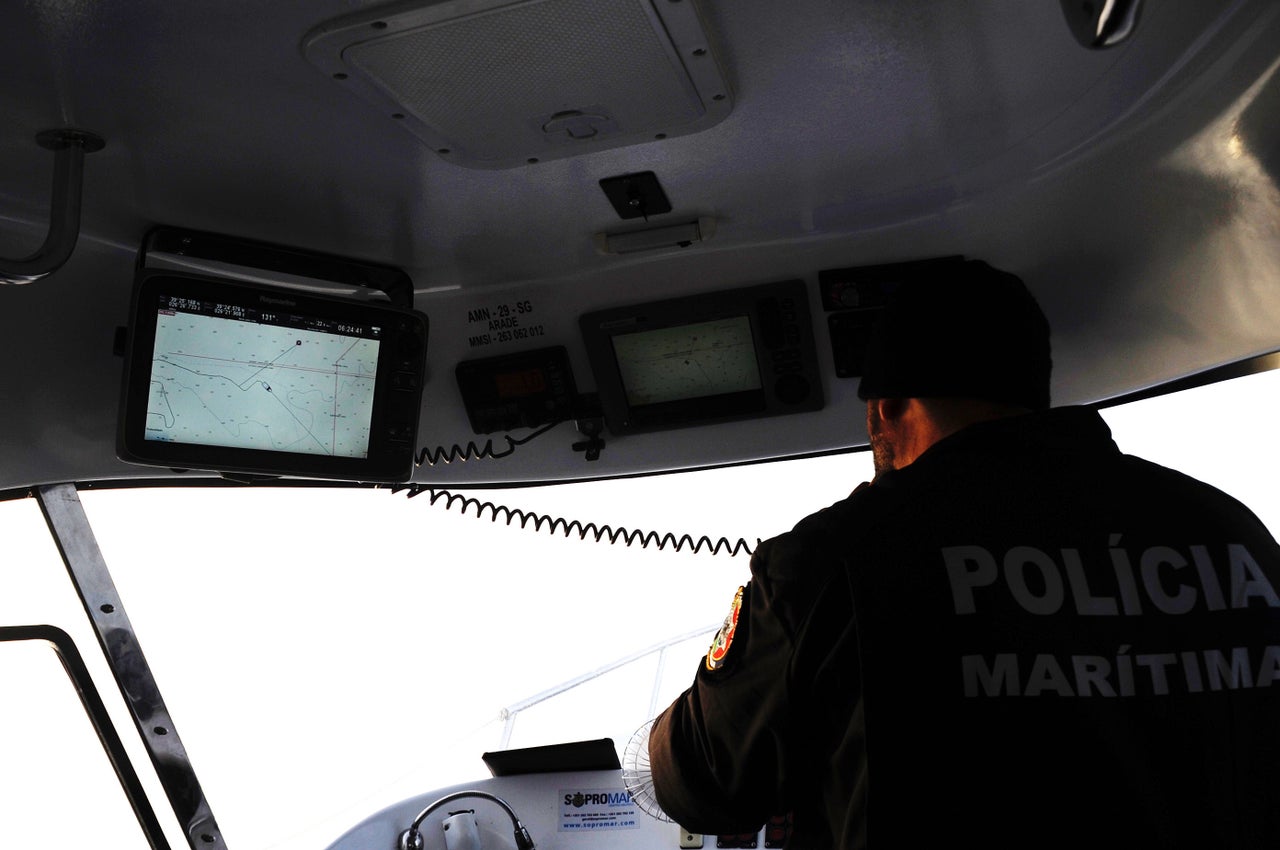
x,y
1159,579
1007,674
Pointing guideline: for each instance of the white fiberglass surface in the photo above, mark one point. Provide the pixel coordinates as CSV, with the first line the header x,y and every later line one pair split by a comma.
x,y
324,653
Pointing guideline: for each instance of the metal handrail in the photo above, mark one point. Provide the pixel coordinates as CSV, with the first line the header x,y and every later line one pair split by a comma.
x,y
508,714
69,147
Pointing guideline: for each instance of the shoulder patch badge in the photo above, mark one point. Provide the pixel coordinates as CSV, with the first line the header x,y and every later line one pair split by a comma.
x,y
724,638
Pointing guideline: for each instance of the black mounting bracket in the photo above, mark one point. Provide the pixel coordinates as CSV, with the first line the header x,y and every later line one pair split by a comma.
x,y
262,256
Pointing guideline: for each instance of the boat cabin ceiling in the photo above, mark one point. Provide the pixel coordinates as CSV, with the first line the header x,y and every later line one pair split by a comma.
x,y
1122,158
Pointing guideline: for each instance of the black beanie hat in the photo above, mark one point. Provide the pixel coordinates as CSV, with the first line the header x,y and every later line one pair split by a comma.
x,y
978,334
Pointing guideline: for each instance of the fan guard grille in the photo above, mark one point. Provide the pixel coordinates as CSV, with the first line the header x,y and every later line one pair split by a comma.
x,y
637,776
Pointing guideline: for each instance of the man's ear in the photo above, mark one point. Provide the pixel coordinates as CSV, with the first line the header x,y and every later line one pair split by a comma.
x,y
891,409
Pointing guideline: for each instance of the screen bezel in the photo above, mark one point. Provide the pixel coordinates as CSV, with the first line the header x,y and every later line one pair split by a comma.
x,y
396,396
782,338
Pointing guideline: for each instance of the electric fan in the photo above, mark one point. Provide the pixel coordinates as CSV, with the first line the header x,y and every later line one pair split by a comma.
x,y
637,776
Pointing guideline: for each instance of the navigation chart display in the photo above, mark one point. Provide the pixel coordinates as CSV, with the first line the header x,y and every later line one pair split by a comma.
x,y
688,361
240,377
706,358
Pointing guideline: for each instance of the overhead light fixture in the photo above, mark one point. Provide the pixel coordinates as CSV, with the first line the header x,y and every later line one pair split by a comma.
x,y
654,238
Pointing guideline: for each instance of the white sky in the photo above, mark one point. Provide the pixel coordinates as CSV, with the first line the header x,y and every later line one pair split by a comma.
x,y
324,654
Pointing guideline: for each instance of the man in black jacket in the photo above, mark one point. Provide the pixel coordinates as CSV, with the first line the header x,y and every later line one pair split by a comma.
x,y
1014,636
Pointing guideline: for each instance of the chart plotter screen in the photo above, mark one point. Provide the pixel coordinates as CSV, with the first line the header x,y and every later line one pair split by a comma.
x,y
687,361
236,376
711,357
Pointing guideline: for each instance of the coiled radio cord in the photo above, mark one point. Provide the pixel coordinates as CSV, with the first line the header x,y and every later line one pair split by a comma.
x,y
590,428
471,451
568,528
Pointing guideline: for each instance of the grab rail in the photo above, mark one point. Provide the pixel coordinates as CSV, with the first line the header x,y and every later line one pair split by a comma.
x,y
69,146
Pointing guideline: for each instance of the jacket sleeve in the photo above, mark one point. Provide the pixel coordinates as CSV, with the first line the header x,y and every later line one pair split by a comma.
x,y
724,754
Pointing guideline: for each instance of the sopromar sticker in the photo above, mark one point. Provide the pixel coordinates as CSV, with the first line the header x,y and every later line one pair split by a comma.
x,y
724,638
597,809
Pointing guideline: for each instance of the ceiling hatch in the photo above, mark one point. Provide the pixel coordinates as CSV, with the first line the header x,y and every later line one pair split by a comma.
x,y
496,84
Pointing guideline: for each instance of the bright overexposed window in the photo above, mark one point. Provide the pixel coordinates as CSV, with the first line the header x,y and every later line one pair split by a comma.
x,y
357,647
54,767
326,652
56,781
1223,433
